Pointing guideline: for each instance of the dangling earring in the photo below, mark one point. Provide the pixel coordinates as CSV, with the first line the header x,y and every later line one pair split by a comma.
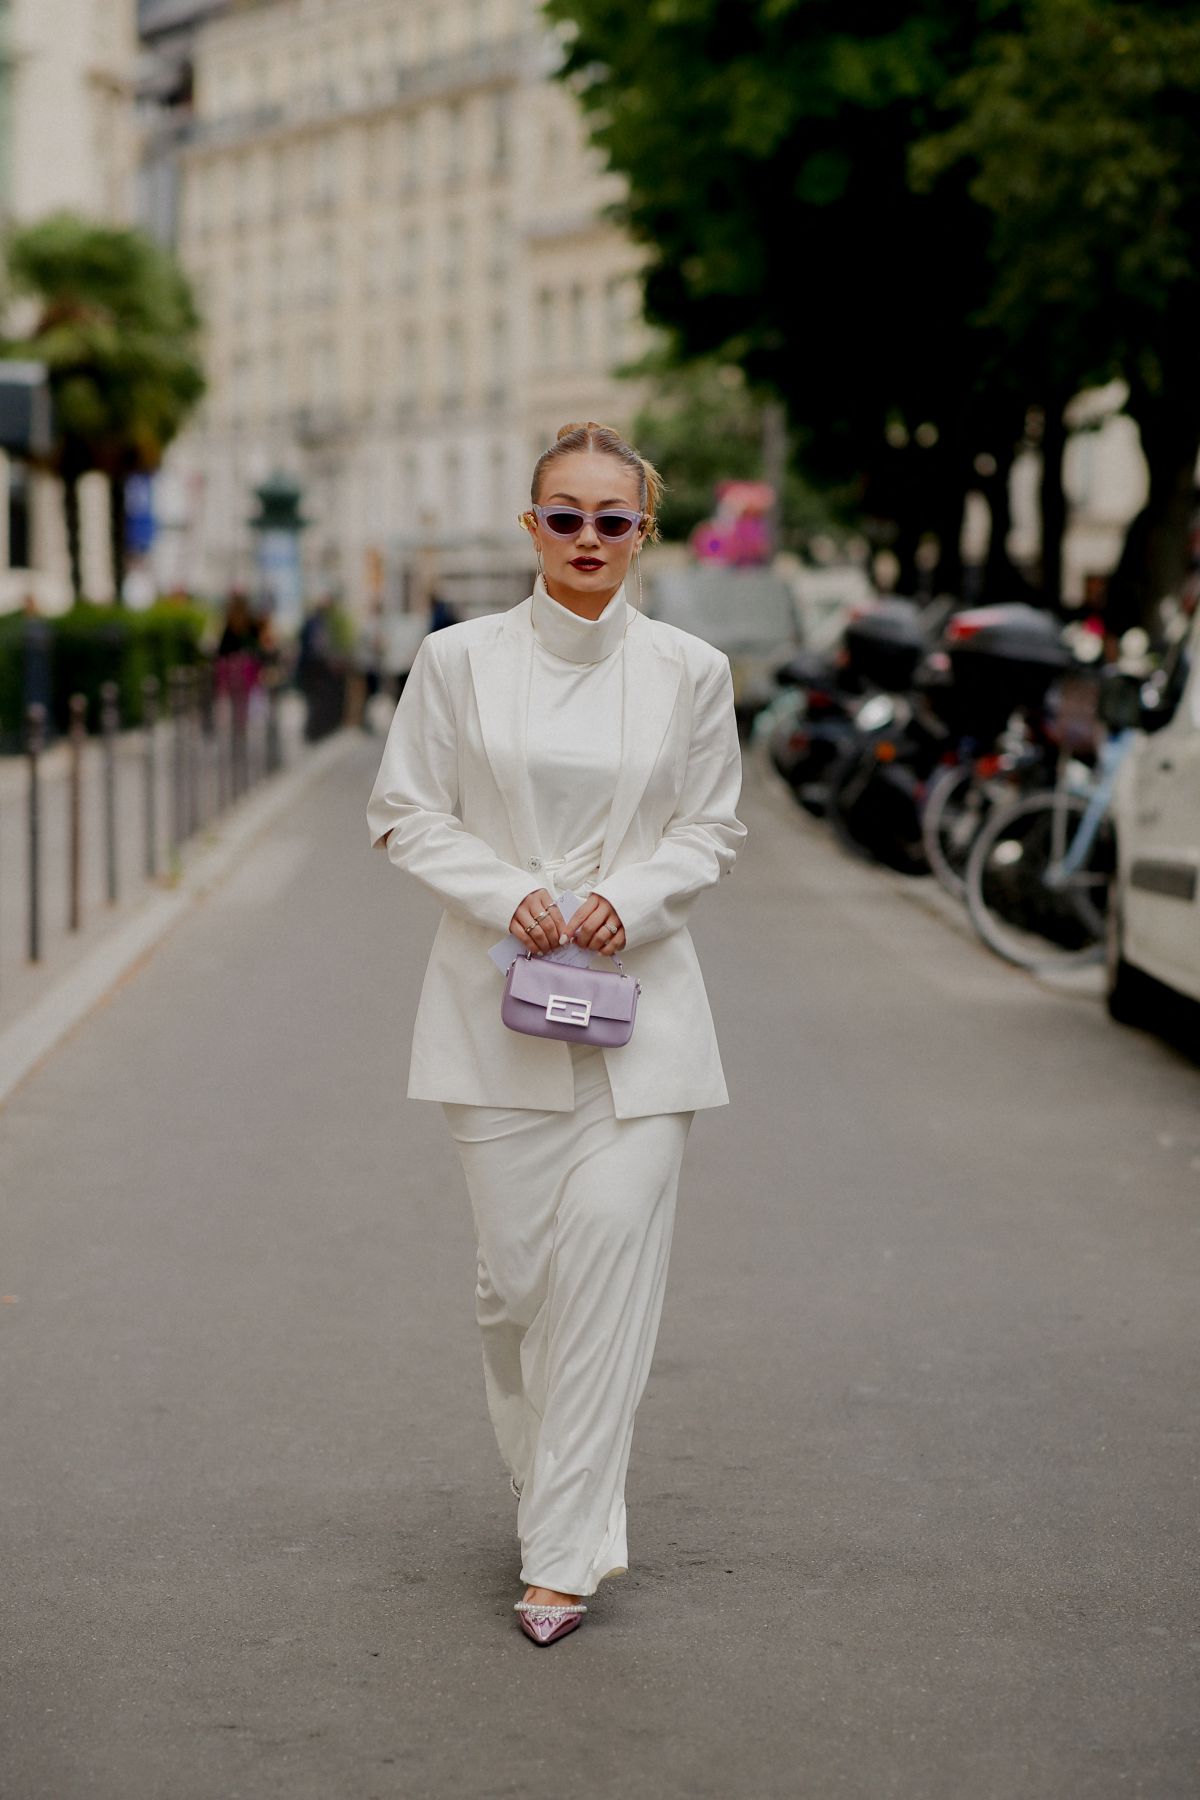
x,y
637,563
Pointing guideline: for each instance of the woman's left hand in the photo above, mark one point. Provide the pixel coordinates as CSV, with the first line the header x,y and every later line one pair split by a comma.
x,y
596,926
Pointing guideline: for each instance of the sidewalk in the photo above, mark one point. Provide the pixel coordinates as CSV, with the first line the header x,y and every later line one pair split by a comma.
x,y
41,1001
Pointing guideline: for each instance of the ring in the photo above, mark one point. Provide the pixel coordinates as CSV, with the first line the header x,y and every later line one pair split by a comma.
x,y
542,914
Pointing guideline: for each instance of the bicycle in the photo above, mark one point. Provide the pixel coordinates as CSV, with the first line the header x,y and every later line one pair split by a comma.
x,y
1039,873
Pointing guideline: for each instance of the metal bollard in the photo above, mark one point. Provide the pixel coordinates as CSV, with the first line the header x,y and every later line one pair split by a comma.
x,y
205,743
175,707
35,743
274,756
77,733
150,690
240,690
109,721
191,747
222,731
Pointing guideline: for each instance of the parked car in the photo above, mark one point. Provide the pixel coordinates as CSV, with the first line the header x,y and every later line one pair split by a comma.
x,y
750,614
1154,911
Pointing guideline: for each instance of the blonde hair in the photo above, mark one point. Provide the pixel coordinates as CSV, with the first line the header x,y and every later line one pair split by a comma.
x,y
602,438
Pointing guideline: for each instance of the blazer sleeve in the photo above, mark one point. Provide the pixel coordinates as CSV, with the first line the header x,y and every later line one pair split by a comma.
x,y
415,796
704,834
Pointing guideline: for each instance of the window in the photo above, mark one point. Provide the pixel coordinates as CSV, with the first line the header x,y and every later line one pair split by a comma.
x,y
455,141
412,250
325,171
497,486
576,324
498,231
410,489
616,316
374,160
452,268
18,514
409,152
547,334
410,368
497,371
501,123
453,358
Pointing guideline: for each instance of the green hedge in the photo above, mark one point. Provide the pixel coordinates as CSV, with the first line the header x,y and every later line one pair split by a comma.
x,y
92,644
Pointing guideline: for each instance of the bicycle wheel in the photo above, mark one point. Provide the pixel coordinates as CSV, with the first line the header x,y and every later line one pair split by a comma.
x,y
1013,906
955,809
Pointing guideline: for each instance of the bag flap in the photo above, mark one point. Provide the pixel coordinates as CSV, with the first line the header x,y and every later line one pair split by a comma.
x,y
534,979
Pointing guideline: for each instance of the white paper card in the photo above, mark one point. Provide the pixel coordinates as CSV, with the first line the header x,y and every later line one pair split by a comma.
x,y
575,956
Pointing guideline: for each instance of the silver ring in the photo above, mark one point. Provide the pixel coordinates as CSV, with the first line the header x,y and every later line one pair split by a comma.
x,y
542,914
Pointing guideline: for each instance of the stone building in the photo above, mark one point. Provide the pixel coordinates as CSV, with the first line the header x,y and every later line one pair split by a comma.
x,y
395,227
67,140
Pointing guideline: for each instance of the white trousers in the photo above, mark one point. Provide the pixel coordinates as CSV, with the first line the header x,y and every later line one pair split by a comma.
x,y
574,1214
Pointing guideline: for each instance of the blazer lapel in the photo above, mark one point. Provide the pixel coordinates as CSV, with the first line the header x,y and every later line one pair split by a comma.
x,y
651,685
500,672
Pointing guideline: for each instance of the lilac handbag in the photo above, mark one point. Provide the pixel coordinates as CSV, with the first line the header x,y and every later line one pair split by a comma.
x,y
554,1000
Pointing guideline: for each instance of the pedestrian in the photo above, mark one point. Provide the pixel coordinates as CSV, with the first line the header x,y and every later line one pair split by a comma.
x,y
368,651
320,672
575,741
441,613
238,661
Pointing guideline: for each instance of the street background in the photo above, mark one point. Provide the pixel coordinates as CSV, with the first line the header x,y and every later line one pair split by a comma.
x,y
912,1498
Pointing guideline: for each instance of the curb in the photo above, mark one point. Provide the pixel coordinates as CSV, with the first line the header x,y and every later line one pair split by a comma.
x,y
29,1041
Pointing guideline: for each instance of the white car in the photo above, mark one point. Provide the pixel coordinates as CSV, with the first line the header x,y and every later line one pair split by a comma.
x,y
1154,908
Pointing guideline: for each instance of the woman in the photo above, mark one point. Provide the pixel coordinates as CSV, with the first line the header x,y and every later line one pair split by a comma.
x,y
569,745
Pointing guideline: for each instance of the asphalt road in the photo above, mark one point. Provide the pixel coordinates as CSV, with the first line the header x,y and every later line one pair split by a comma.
x,y
913,1500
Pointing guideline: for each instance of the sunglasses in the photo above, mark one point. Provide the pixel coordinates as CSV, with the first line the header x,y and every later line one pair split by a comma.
x,y
612,524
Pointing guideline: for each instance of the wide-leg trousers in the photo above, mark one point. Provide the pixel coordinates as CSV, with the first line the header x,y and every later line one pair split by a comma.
x,y
574,1214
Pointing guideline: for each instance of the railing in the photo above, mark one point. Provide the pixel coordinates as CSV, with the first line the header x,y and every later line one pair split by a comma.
x,y
210,738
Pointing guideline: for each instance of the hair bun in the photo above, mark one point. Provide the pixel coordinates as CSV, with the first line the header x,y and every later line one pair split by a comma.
x,y
579,425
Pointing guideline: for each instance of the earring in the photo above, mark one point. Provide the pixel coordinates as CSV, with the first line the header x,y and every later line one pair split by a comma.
x,y
637,563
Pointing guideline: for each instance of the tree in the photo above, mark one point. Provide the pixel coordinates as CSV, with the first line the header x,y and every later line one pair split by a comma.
x,y
1079,129
700,425
117,328
765,143
926,226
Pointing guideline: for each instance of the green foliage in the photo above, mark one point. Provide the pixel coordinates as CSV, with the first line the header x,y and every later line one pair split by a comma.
x,y
1080,131
702,425
765,150
92,644
117,327
930,212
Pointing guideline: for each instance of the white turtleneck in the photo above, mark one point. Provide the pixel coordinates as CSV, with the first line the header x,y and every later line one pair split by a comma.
x,y
573,734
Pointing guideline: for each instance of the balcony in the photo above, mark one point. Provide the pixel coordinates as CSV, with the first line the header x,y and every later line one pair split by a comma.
x,y
486,65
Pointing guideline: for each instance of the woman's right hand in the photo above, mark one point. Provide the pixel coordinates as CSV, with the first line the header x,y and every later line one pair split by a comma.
x,y
546,934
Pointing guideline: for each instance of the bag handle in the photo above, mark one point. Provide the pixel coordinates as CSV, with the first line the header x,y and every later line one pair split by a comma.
x,y
528,955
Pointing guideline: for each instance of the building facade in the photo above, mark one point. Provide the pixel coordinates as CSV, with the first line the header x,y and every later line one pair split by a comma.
x,y
394,223
68,140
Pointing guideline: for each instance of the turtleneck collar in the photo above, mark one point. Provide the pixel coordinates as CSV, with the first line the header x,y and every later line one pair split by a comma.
x,y
567,634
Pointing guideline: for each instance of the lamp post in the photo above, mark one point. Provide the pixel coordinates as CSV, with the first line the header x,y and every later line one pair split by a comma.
x,y
279,523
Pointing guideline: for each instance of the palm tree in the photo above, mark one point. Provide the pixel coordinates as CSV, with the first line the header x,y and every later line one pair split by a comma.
x,y
117,329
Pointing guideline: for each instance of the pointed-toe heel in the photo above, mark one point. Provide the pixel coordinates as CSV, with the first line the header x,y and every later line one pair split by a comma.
x,y
546,1624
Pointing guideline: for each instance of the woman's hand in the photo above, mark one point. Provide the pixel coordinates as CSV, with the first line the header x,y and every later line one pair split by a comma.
x,y
596,926
545,934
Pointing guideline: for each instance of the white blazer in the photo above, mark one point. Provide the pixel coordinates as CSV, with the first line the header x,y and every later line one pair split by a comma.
x,y
454,792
